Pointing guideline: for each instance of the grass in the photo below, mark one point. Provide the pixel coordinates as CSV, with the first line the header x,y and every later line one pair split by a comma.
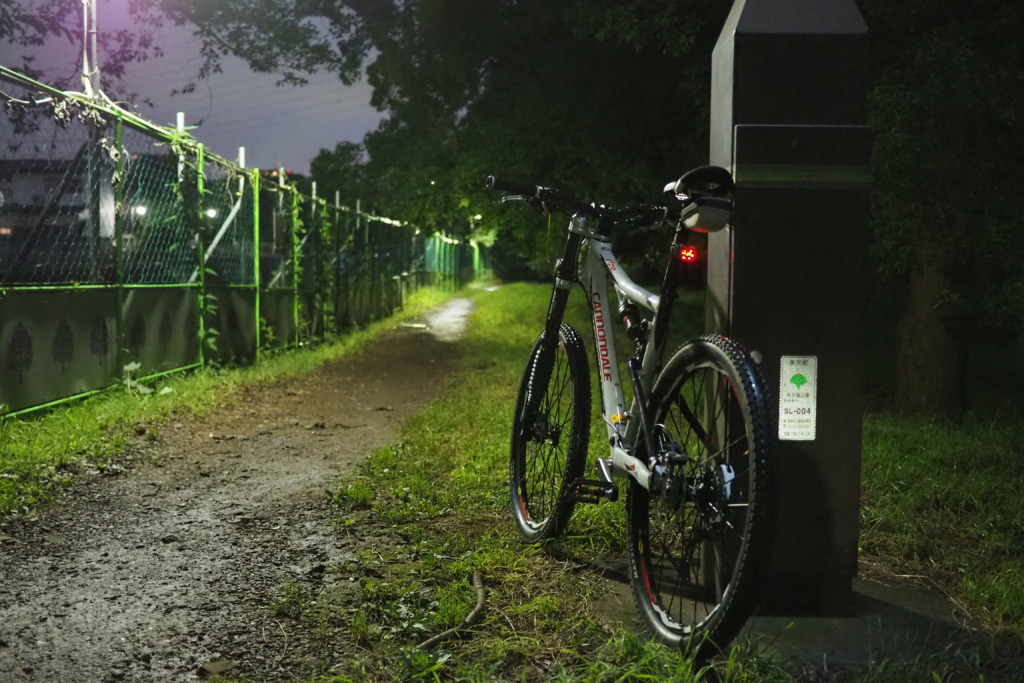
x,y
944,500
38,454
940,500
448,480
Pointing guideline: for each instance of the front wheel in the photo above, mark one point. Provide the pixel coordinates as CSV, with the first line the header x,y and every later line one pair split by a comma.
x,y
700,536
550,433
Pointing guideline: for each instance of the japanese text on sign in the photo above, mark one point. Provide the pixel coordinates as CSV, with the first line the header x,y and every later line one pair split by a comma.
x,y
798,398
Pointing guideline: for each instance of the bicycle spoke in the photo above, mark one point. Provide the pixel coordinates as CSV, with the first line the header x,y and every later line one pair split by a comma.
x,y
696,530
550,450
693,533
690,418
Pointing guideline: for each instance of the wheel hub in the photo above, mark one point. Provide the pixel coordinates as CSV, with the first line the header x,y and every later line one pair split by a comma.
x,y
668,473
545,432
711,495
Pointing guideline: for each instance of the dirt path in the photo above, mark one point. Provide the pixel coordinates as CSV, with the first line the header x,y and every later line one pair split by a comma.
x,y
203,553
164,572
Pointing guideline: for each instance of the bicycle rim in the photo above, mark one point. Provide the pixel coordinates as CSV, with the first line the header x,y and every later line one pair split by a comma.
x,y
696,548
549,446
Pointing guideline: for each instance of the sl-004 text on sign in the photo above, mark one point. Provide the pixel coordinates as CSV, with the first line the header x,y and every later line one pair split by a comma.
x,y
798,398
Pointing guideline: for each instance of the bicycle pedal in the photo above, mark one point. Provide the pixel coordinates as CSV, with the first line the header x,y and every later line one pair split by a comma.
x,y
594,491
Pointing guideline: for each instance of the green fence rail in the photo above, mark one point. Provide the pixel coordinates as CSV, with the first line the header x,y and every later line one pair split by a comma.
x,y
128,247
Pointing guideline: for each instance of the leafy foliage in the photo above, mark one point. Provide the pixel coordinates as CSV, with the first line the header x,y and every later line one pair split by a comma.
x,y
608,99
530,91
946,106
24,26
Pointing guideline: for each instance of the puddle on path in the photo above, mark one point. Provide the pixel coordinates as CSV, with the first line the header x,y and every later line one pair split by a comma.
x,y
448,322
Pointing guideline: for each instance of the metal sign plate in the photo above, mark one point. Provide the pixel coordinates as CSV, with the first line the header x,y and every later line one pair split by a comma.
x,y
798,398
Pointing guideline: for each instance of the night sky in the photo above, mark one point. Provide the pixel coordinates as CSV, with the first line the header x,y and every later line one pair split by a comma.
x,y
279,126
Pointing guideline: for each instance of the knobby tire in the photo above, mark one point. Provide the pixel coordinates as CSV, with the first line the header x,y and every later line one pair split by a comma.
x,y
550,437
698,547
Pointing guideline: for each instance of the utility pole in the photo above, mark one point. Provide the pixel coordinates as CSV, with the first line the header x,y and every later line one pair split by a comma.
x,y
95,172
90,50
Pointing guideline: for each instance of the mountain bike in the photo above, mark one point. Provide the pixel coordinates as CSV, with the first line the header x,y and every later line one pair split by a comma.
x,y
694,444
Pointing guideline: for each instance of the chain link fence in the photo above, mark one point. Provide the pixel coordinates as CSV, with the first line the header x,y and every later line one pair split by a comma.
x,y
128,250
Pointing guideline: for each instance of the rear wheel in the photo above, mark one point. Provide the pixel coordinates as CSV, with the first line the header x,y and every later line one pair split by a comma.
x,y
550,433
700,536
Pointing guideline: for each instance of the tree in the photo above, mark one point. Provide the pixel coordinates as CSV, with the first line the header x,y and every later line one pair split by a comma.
x,y
448,71
289,37
341,170
608,100
528,90
25,28
947,106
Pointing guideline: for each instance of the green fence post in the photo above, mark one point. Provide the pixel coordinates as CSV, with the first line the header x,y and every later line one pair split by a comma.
x,y
255,181
370,272
446,253
325,286
438,260
201,253
118,242
295,264
441,259
336,263
431,261
454,261
118,201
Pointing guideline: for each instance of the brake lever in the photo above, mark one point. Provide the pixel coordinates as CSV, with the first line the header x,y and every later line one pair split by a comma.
x,y
533,202
668,215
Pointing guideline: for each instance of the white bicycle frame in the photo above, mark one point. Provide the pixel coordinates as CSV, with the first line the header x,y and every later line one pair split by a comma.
x,y
600,268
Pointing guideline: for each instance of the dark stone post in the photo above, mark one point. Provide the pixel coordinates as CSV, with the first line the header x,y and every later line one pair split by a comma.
x,y
789,95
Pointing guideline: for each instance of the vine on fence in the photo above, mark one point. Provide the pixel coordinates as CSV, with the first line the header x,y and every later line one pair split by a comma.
x,y
99,212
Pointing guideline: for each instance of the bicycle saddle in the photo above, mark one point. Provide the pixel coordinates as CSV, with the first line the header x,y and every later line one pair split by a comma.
x,y
708,190
703,181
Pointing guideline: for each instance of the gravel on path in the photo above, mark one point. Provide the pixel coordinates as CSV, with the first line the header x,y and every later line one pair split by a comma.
x,y
164,570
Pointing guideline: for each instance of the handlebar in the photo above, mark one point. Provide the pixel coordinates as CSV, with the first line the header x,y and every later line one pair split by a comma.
x,y
551,199
495,183
706,193
537,196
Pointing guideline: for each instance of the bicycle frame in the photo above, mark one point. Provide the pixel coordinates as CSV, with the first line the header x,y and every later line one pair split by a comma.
x,y
600,274
698,507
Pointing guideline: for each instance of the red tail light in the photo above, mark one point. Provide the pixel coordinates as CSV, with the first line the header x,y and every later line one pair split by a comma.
x,y
688,254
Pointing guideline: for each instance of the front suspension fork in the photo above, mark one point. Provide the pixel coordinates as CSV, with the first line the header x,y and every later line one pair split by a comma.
x,y
544,363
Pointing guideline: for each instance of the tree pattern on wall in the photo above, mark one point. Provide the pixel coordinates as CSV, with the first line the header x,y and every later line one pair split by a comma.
x,y
192,332
19,351
63,344
166,330
137,335
99,340
233,328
